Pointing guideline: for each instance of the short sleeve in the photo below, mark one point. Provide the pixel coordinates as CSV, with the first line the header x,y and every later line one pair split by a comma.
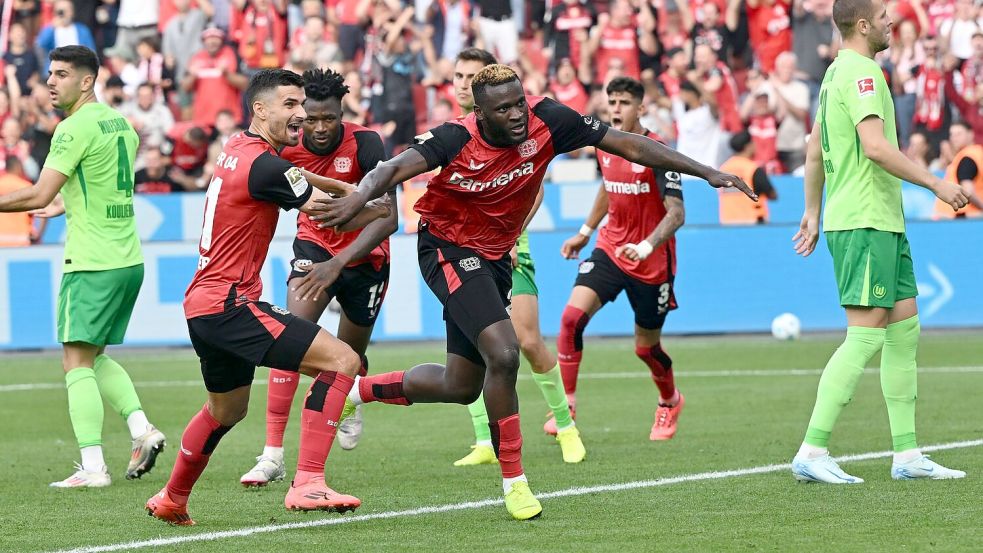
x,y
369,149
441,144
68,147
569,130
274,179
669,182
966,170
761,183
864,93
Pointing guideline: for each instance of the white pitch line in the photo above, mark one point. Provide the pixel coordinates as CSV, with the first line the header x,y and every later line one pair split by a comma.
x,y
683,374
470,505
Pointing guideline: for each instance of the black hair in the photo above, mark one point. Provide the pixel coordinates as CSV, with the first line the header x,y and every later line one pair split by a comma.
x,y
79,57
689,87
269,79
476,54
740,141
626,84
321,84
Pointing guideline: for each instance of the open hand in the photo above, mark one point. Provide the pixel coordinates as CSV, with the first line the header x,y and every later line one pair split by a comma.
x,y
319,277
807,236
338,211
725,180
572,246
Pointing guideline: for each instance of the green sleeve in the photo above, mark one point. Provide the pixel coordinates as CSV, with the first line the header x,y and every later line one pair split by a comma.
x,y
863,93
68,146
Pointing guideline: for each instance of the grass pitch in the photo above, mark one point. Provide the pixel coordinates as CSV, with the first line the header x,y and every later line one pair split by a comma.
x,y
745,408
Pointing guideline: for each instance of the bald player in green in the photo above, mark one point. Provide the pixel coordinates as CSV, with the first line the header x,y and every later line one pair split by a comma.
x,y
853,149
91,164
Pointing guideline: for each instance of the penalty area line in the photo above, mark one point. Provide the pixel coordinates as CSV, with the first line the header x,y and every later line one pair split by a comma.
x,y
471,505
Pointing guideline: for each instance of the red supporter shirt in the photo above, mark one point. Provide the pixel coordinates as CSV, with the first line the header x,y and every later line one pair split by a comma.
x,y
357,153
262,36
764,133
572,95
770,30
212,92
621,44
184,156
250,185
635,208
346,12
730,116
483,193
930,98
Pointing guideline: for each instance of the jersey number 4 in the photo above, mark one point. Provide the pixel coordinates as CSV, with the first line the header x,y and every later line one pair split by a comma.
x,y
124,171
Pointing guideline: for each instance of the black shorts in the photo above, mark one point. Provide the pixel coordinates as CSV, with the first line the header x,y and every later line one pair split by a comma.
x,y
230,344
650,302
475,292
359,289
351,40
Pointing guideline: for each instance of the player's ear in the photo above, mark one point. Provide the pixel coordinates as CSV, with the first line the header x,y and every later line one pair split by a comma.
x,y
478,113
259,110
88,82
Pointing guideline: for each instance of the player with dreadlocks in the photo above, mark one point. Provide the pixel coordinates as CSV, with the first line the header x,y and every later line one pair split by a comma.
x,y
353,266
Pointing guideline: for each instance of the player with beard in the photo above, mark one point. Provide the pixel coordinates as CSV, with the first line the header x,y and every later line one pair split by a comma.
x,y
493,162
635,253
232,331
356,264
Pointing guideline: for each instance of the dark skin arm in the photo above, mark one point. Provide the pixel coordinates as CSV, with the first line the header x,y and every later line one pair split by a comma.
x,y
645,151
323,275
379,181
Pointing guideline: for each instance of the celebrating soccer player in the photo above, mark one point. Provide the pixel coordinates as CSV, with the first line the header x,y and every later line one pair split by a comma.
x,y
636,253
232,331
525,312
472,213
91,163
854,149
354,266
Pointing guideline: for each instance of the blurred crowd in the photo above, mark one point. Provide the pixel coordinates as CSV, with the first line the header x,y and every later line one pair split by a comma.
x,y
712,69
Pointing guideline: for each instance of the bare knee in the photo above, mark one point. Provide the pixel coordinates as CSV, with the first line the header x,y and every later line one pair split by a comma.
x,y
228,414
349,363
503,360
467,394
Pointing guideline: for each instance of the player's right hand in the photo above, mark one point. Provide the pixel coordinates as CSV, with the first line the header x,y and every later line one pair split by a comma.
x,y
726,180
338,211
805,240
319,277
951,194
571,248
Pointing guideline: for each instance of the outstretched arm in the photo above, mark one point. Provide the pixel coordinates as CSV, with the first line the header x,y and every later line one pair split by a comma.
x,y
335,212
648,152
37,196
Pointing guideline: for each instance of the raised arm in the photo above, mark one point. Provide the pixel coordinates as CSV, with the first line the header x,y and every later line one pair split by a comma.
x,y
645,151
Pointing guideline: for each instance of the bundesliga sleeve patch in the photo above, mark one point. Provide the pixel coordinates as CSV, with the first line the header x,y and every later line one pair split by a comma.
x,y
298,183
865,86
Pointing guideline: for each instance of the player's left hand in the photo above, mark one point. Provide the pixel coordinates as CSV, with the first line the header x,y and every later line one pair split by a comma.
x,y
514,254
634,252
338,211
805,240
319,277
725,180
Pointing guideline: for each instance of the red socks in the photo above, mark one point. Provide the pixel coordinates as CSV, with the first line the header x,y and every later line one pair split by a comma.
x,y
507,441
661,366
197,444
279,398
319,423
570,345
386,388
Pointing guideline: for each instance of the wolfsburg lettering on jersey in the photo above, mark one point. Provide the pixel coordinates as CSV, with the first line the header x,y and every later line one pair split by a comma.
x,y
501,180
634,188
113,125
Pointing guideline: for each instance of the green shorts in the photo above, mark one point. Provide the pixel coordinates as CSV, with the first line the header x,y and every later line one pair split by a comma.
x,y
524,277
873,268
95,306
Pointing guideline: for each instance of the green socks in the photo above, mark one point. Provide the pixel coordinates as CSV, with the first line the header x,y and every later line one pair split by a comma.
x,y
899,380
551,384
479,418
116,386
84,406
839,380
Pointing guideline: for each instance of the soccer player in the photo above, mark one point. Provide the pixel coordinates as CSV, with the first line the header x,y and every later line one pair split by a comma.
x,y
635,253
854,149
472,213
356,263
524,315
232,331
91,164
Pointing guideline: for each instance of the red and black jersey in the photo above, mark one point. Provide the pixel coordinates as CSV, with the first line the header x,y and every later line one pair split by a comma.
x,y
357,152
635,208
250,185
484,193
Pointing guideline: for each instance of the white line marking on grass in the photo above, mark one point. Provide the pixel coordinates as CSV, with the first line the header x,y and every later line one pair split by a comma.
x,y
470,505
586,376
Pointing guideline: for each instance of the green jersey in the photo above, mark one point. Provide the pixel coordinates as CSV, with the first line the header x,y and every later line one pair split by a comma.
x,y
95,147
859,193
522,246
